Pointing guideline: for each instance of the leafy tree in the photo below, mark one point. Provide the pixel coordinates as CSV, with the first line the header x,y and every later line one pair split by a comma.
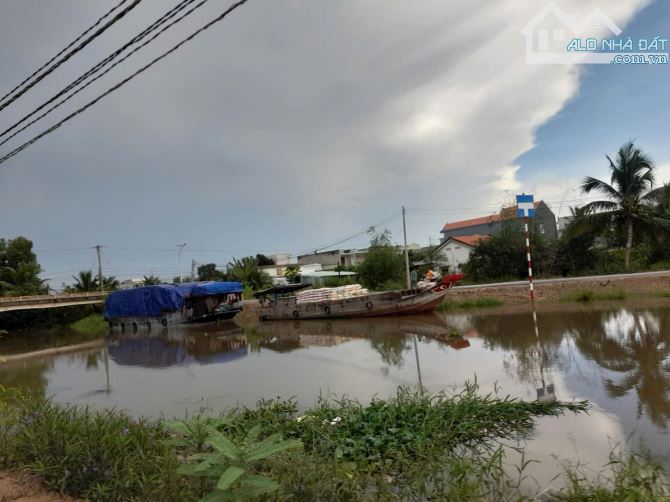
x,y
208,272
573,253
150,280
247,270
264,261
503,256
19,270
383,266
292,273
84,282
629,204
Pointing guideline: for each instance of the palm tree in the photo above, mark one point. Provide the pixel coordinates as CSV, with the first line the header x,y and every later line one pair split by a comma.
x,y
629,197
110,283
249,272
85,282
150,280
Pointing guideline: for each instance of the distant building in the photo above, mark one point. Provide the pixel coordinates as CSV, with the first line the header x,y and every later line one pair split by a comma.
x,y
454,252
318,279
330,260
276,272
544,222
131,283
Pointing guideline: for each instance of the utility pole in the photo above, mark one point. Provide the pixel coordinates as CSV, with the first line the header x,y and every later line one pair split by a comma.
x,y
102,286
180,248
193,269
404,232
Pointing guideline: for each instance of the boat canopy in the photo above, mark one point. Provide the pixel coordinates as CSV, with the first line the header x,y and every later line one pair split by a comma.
x,y
152,301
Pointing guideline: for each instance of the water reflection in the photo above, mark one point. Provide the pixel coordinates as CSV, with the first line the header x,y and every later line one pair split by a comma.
x,y
175,348
616,356
635,347
631,346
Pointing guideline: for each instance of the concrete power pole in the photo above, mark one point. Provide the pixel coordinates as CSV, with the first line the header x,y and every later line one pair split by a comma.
x,y
404,232
102,286
180,248
193,270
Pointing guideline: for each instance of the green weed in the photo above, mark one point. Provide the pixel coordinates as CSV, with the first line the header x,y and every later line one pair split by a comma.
x,y
93,324
474,303
588,295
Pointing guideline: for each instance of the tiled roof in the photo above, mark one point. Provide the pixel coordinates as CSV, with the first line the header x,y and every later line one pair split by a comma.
x,y
471,223
470,240
506,213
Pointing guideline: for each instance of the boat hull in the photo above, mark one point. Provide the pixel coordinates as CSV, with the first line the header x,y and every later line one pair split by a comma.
x,y
168,319
401,302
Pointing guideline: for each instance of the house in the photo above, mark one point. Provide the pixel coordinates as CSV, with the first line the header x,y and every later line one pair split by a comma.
x,y
544,222
330,260
454,252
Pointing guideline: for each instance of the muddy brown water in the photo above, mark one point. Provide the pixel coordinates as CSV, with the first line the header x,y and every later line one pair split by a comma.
x,y
616,355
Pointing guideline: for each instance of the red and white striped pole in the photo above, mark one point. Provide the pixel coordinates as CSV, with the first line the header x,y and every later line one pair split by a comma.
x,y
530,261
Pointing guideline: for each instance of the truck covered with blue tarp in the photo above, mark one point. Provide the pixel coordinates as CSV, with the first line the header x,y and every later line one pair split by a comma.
x,y
190,301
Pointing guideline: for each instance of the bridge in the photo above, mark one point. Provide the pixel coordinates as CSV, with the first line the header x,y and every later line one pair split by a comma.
x,y
11,303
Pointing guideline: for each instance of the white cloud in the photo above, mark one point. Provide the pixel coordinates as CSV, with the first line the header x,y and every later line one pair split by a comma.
x,y
317,117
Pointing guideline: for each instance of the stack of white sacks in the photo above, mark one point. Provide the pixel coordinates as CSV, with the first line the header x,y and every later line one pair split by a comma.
x,y
330,294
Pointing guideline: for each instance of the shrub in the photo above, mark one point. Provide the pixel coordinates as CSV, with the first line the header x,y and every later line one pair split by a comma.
x,y
98,455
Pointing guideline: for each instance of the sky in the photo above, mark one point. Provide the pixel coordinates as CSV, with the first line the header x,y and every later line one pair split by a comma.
x,y
294,124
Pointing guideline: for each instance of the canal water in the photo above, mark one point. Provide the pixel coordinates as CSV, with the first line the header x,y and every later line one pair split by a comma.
x,y
617,356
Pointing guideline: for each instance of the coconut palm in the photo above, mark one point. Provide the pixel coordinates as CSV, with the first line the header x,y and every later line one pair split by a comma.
x,y
110,283
85,281
248,271
150,280
630,198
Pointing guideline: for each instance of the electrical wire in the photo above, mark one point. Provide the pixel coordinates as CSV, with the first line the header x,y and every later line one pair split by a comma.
x,y
219,18
102,64
82,35
66,57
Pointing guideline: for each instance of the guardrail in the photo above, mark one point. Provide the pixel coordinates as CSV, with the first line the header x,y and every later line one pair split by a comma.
x,y
55,299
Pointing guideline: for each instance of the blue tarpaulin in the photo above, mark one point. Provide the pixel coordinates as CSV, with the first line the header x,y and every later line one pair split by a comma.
x,y
152,301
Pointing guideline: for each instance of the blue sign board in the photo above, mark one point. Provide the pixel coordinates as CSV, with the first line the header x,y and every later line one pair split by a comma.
x,y
525,206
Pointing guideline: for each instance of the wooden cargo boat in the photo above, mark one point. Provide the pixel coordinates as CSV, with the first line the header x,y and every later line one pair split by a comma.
x,y
281,302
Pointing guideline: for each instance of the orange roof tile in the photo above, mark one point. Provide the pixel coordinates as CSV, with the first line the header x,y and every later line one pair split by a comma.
x,y
505,213
470,240
474,221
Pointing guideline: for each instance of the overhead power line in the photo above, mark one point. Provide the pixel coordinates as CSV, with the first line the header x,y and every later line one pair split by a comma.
x,y
176,47
97,68
82,35
41,76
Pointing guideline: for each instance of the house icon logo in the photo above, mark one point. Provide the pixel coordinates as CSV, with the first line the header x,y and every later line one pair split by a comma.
x,y
551,30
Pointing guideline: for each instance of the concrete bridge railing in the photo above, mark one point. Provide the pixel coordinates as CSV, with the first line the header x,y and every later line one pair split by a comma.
x,y
45,301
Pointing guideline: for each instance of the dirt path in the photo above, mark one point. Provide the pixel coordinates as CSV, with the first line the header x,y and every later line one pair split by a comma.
x,y
23,487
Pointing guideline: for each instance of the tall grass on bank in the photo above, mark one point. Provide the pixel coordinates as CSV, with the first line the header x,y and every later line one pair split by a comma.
x,y
475,303
412,446
93,324
588,295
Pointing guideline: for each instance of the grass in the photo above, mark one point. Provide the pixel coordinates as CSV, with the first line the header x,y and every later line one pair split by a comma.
x,y
93,324
411,446
475,303
588,295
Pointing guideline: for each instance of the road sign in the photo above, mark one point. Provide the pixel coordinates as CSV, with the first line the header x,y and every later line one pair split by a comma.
x,y
525,206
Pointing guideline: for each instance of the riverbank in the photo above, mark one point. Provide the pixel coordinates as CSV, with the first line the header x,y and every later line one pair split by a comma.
x,y
442,447
616,287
